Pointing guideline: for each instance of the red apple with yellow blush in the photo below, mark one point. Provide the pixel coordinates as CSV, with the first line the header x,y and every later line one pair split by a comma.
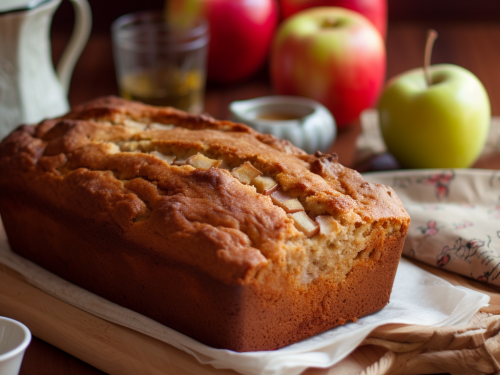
x,y
374,10
332,55
241,32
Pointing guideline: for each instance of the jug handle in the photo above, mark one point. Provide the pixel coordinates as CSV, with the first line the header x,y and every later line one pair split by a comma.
x,y
79,37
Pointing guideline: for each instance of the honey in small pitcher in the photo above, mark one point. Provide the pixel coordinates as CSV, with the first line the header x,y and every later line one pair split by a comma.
x,y
278,116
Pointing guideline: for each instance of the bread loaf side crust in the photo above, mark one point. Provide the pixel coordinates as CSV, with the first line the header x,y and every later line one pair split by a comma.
x,y
92,197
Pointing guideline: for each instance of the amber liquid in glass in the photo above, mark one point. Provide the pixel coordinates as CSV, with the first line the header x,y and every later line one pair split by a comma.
x,y
165,87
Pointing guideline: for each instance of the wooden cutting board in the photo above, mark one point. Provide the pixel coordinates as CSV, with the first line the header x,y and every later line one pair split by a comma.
x,y
107,346
118,350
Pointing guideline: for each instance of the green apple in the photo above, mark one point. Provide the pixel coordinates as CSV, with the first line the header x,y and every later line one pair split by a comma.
x,y
443,124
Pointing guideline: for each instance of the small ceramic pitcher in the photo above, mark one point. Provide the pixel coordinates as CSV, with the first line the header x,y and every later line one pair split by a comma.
x,y
304,122
14,339
30,89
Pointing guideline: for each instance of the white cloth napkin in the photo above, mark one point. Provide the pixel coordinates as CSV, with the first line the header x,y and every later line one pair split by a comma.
x,y
418,297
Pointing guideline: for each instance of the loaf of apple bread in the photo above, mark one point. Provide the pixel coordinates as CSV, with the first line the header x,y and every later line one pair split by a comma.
x,y
237,239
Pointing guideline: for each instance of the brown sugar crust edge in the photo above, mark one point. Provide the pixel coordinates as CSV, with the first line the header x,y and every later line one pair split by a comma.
x,y
224,278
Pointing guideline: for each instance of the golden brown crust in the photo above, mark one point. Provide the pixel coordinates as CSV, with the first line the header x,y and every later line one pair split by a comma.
x,y
94,187
258,316
116,110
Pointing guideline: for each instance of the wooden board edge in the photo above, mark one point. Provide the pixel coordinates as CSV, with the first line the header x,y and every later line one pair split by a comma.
x,y
107,346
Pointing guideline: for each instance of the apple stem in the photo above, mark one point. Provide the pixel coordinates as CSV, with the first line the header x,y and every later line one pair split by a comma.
x,y
431,37
330,22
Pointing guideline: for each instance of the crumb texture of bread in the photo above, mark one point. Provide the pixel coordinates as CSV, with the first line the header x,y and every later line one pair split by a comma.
x,y
237,239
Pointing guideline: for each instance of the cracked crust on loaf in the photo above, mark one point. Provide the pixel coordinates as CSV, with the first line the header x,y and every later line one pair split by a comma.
x,y
158,210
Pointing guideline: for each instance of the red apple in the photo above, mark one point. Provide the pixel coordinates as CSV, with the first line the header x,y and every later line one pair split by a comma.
x,y
241,32
332,55
374,10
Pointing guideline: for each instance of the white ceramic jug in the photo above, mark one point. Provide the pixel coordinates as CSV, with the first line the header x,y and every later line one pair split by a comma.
x,y
30,89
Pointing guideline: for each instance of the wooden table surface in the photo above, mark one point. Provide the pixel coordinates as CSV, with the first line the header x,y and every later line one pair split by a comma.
x,y
473,45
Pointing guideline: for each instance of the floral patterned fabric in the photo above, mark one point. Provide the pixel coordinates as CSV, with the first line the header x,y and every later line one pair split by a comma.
x,y
455,218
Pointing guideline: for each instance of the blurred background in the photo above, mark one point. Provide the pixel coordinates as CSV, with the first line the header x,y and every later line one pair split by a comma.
x,y
469,36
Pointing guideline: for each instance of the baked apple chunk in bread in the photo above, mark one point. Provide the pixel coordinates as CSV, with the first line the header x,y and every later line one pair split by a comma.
x,y
237,239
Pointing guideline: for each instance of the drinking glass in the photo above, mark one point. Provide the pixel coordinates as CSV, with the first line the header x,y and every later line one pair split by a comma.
x,y
158,63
